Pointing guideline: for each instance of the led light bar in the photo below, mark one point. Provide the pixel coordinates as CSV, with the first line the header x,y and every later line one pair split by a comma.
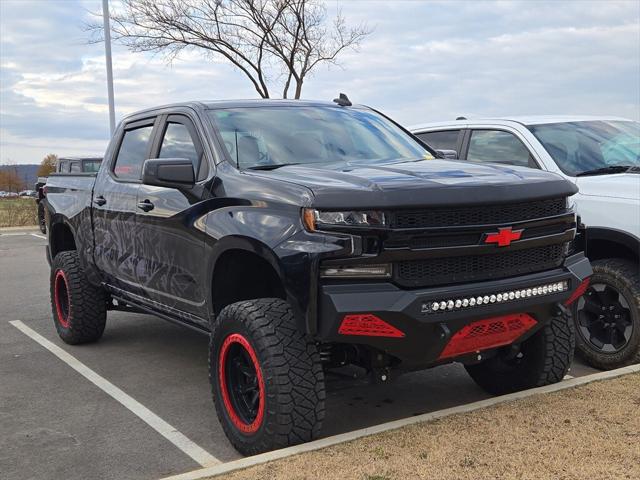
x,y
449,305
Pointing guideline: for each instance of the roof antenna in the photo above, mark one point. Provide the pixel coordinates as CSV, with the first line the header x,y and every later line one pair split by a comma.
x,y
343,100
461,118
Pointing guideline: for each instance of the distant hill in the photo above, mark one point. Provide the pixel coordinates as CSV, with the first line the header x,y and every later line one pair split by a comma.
x,y
27,173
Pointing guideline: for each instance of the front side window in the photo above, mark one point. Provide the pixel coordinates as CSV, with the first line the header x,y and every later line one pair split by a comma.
x,y
443,140
177,143
497,146
132,153
267,137
580,148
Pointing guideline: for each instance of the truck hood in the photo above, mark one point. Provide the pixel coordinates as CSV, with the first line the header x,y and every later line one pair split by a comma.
x,y
620,185
420,183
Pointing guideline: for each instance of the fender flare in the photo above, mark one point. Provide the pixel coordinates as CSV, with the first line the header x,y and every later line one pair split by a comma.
x,y
626,239
262,250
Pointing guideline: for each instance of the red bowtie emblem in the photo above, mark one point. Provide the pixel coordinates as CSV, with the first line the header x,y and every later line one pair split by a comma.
x,y
504,237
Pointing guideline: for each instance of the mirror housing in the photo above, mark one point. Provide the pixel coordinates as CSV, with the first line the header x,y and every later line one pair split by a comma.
x,y
447,154
168,172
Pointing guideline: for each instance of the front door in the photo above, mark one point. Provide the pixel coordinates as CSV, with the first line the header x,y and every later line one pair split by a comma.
x,y
170,265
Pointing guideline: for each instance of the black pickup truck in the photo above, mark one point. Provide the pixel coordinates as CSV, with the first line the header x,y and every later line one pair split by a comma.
x,y
304,236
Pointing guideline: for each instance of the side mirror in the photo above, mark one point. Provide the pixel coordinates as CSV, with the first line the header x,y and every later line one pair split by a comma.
x,y
447,154
168,172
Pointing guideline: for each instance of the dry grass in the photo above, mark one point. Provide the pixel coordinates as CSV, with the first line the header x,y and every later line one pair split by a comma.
x,y
592,431
18,212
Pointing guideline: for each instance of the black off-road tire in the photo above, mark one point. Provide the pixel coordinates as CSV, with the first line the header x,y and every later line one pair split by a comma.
x,y
544,358
293,391
624,276
79,309
42,223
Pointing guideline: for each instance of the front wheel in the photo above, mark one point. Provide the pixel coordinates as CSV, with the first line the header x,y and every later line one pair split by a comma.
x,y
266,377
607,316
542,359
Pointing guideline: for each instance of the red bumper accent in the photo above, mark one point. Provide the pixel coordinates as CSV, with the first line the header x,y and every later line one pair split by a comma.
x,y
369,325
488,333
578,292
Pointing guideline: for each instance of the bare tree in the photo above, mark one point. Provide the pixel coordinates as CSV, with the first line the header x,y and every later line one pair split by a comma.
x,y
272,42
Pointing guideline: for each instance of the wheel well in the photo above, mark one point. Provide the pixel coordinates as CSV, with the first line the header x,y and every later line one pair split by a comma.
x,y
601,248
242,275
61,239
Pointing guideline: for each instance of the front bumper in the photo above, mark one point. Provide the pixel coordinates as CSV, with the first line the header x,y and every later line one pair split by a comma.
x,y
426,333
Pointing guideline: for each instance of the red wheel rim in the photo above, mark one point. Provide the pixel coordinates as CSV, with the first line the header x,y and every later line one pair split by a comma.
x,y
62,298
235,348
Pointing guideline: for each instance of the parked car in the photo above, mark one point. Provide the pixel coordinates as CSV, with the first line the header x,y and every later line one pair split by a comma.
x,y
67,165
302,236
601,155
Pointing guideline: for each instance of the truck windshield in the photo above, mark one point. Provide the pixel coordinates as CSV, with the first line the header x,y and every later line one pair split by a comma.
x,y
591,147
268,137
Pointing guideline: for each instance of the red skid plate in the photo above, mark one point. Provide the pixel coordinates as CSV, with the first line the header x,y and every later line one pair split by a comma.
x,y
488,333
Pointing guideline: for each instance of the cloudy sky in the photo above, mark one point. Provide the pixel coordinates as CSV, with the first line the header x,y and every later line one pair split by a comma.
x,y
424,61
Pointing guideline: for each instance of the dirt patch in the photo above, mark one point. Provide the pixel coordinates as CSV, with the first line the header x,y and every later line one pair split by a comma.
x,y
592,431
18,212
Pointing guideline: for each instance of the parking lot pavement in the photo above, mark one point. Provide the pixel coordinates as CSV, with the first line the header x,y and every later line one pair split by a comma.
x,y
55,423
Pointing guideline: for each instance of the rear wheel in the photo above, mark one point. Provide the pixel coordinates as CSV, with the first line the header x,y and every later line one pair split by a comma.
x,y
607,316
79,309
542,359
266,377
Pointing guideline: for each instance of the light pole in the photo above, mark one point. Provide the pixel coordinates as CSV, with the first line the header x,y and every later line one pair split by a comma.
x,y
107,48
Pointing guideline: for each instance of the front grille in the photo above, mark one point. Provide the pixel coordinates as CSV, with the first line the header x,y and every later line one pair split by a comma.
x,y
478,215
471,268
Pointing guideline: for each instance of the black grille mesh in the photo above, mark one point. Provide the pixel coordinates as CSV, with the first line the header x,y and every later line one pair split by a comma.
x,y
450,270
478,215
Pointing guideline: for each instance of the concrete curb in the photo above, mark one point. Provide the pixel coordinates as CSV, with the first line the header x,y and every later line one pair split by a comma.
x,y
346,437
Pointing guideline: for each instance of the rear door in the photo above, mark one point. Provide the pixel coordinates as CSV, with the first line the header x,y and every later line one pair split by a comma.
x,y
171,269
115,204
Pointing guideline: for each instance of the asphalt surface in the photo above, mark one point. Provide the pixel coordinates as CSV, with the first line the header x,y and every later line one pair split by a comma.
x,y
54,423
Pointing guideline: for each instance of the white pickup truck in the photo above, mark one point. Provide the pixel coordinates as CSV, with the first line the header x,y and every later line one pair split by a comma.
x,y
601,155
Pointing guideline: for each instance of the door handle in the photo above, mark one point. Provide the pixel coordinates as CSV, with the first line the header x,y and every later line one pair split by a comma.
x,y
145,205
100,200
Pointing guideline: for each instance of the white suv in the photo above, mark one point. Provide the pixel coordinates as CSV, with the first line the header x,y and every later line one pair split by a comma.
x,y
601,155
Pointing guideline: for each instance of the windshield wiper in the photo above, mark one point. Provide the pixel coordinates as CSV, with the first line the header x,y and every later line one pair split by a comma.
x,y
271,166
606,170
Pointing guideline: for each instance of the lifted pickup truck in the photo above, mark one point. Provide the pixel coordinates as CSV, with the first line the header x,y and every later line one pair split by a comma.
x,y
303,236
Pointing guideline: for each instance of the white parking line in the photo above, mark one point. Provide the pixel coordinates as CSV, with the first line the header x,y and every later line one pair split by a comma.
x,y
38,236
194,451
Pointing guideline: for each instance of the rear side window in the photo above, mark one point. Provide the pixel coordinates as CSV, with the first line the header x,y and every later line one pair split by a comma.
x,y
177,143
443,140
132,153
63,167
496,146
91,166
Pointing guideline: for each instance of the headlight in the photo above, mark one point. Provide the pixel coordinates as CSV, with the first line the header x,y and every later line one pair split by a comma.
x,y
315,219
